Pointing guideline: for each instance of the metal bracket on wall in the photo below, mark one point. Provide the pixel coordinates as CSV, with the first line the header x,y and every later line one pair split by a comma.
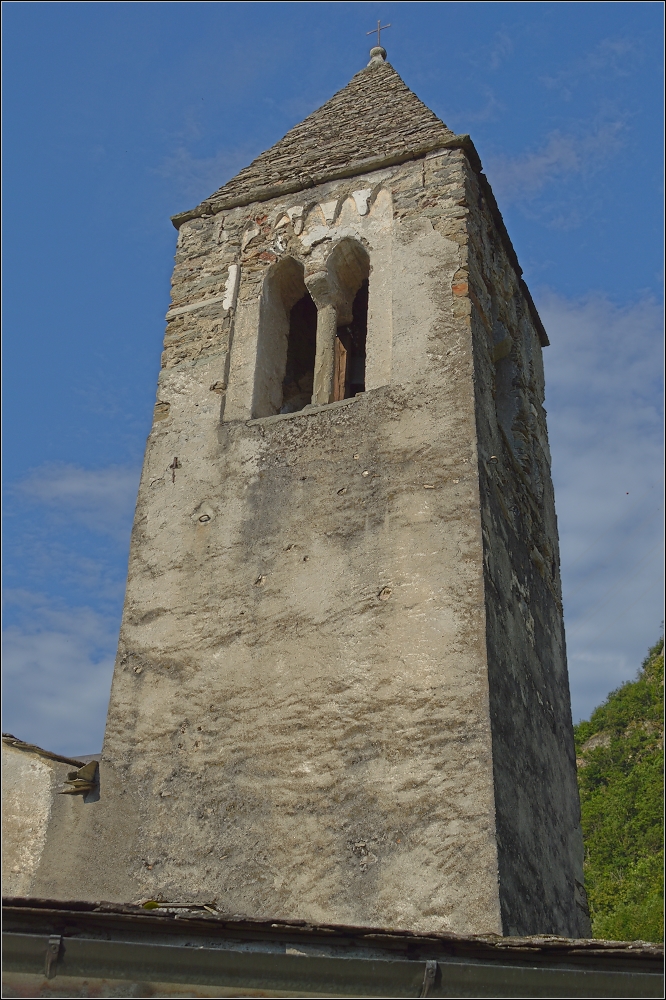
x,y
428,978
52,955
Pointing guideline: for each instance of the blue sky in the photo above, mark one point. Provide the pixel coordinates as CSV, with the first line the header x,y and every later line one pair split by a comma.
x,y
118,115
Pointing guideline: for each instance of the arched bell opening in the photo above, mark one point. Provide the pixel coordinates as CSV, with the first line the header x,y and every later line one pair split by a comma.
x,y
350,342
348,272
301,349
286,342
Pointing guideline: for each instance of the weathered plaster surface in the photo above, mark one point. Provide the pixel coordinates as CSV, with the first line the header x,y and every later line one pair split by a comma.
x,y
27,792
340,691
533,751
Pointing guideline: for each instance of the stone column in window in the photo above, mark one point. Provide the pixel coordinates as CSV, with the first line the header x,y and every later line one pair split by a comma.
x,y
333,288
323,292
327,324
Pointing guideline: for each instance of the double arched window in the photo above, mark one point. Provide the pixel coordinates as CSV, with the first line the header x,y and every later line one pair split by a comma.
x,y
311,344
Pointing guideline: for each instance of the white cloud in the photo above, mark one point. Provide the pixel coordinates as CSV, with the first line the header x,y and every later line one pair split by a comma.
x,y
603,385
521,178
501,49
197,179
489,111
59,650
611,57
101,499
57,666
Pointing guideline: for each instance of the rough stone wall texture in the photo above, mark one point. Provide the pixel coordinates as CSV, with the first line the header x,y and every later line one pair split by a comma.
x,y
533,752
302,745
340,691
27,792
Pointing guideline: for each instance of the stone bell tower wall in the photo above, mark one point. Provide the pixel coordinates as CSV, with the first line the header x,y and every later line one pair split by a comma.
x,y
537,809
309,709
301,687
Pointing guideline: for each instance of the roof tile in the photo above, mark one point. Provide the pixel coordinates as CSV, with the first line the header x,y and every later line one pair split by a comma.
x,y
375,116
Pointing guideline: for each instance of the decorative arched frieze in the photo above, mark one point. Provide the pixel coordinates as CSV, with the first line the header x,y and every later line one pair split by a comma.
x,y
346,252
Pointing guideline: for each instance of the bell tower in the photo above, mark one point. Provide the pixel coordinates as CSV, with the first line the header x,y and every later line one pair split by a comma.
x,y
341,691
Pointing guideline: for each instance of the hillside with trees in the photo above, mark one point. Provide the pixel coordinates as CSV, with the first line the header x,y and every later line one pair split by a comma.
x,y
620,775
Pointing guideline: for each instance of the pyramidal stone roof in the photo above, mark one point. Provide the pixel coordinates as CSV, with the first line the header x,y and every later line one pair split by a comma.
x,y
374,121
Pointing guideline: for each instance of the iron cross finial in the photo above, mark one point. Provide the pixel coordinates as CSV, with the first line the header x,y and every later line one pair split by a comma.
x,y
378,30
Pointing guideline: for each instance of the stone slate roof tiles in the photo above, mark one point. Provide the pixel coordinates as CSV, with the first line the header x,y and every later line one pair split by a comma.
x,y
375,118
374,121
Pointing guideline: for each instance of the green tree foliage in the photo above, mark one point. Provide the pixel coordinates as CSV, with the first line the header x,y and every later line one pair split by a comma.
x,y
620,776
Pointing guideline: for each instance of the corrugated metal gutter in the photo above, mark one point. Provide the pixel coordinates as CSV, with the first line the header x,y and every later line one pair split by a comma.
x,y
74,949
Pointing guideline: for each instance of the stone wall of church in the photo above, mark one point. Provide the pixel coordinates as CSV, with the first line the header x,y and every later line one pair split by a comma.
x,y
533,751
302,660
28,791
306,713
